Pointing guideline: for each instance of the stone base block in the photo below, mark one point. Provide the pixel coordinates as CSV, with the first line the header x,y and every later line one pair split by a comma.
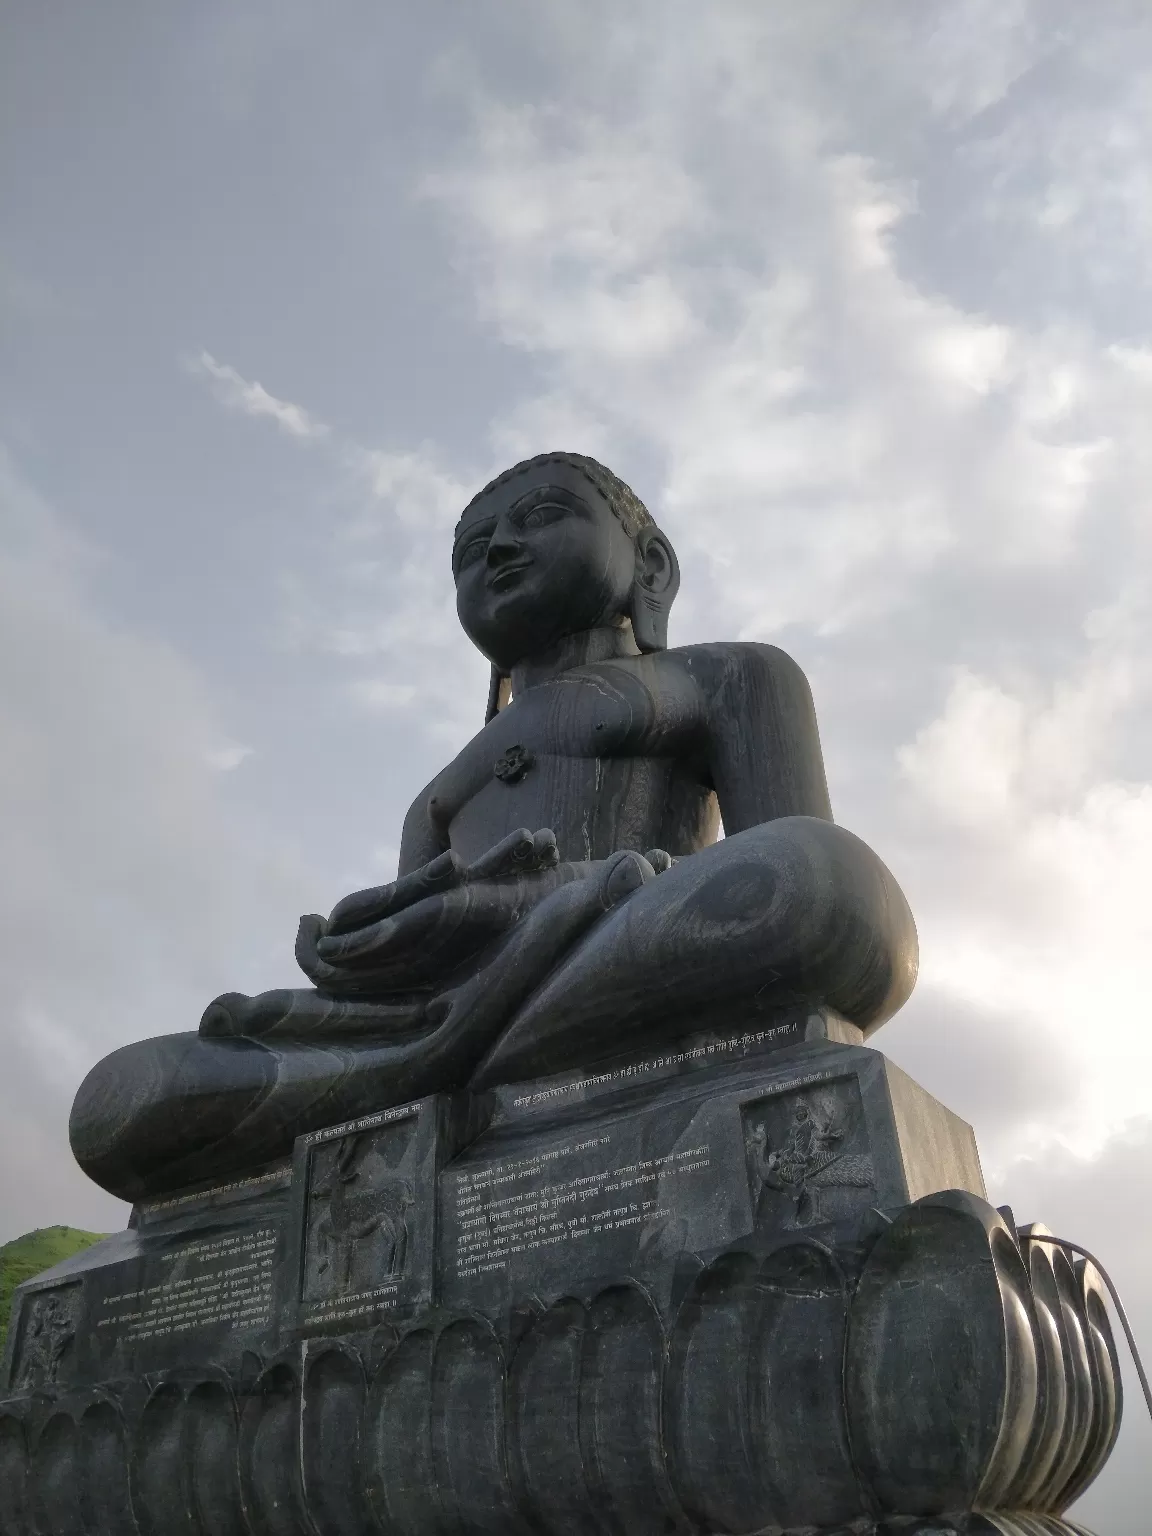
x,y
751,1285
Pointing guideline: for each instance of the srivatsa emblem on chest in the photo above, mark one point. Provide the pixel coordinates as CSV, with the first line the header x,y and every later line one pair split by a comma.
x,y
513,763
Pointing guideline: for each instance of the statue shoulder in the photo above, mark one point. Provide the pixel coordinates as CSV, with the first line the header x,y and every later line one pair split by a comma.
x,y
763,742
722,665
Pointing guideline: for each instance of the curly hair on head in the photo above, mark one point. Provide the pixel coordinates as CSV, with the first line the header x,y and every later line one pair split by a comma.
x,y
627,506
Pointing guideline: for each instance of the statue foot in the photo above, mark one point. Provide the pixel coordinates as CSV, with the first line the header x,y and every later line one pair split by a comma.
x,y
303,1014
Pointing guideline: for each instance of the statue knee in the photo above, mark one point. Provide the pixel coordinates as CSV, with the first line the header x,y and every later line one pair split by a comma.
x,y
149,1104
848,925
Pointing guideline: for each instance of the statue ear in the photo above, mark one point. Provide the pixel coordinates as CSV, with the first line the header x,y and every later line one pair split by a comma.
x,y
656,584
499,693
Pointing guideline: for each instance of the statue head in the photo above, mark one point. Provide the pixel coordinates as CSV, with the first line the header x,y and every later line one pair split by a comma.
x,y
555,546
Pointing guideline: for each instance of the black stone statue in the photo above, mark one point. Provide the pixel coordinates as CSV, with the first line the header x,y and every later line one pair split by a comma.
x,y
567,1198
501,953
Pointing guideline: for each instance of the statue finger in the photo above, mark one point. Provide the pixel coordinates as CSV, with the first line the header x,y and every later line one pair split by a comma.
x,y
545,852
394,935
520,853
369,906
509,855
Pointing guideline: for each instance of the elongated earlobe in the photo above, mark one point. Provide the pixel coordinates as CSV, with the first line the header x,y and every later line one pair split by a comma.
x,y
499,692
654,589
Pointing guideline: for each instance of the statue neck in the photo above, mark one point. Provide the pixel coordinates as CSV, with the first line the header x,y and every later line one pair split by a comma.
x,y
590,645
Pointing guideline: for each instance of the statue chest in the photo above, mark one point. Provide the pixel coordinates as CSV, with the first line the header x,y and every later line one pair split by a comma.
x,y
595,805
599,756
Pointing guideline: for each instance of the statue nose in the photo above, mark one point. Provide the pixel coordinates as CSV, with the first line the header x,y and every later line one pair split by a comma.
x,y
504,545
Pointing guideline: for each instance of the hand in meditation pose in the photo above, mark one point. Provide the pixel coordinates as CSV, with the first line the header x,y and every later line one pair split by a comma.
x,y
562,896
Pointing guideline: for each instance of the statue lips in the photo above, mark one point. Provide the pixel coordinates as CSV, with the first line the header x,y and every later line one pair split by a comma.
x,y
508,575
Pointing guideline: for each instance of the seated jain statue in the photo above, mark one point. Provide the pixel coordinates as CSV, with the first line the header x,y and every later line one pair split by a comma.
x,y
562,897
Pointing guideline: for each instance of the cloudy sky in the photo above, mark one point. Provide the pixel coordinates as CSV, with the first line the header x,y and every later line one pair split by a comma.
x,y
857,296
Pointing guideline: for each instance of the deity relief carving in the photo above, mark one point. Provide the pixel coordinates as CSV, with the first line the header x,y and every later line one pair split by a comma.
x,y
801,1147
47,1334
360,1193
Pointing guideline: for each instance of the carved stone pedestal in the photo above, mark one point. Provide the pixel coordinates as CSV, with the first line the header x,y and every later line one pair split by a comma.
x,y
750,1285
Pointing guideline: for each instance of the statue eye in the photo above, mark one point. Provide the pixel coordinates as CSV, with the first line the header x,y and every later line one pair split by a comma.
x,y
474,550
532,518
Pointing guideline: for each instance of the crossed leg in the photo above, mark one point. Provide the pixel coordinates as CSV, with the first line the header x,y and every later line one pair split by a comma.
x,y
796,910
793,911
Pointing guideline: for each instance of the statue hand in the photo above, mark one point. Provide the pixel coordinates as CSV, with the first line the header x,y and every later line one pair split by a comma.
x,y
429,922
379,901
519,853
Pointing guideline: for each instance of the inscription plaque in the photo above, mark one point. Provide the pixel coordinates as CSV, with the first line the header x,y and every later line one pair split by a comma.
x,y
627,1192
178,1299
219,1280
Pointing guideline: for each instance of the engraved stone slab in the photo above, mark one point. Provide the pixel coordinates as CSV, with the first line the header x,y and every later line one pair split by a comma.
x,y
175,1300
628,1195
222,1280
639,1173
363,1216
808,1153
45,1337
646,1171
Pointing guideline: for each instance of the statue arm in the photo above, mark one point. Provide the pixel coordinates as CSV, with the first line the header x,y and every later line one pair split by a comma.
x,y
763,742
421,840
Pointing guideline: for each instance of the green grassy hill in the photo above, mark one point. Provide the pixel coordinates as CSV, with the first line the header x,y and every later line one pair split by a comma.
x,y
26,1256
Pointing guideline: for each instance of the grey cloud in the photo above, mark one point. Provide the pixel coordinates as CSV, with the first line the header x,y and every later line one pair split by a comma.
x,y
1101,1202
983,1065
131,893
854,294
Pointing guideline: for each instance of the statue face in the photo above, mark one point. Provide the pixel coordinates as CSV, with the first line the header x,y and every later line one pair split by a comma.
x,y
541,557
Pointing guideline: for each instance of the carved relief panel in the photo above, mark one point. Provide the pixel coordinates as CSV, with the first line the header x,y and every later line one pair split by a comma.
x,y
808,1155
360,1196
46,1338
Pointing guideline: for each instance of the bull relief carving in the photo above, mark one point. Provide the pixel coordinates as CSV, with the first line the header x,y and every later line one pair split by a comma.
x,y
360,1194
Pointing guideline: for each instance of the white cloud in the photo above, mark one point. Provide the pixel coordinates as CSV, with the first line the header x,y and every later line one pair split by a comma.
x,y
715,288
994,756
843,448
132,893
1032,862
378,592
857,296
224,759
711,274
382,693
250,398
